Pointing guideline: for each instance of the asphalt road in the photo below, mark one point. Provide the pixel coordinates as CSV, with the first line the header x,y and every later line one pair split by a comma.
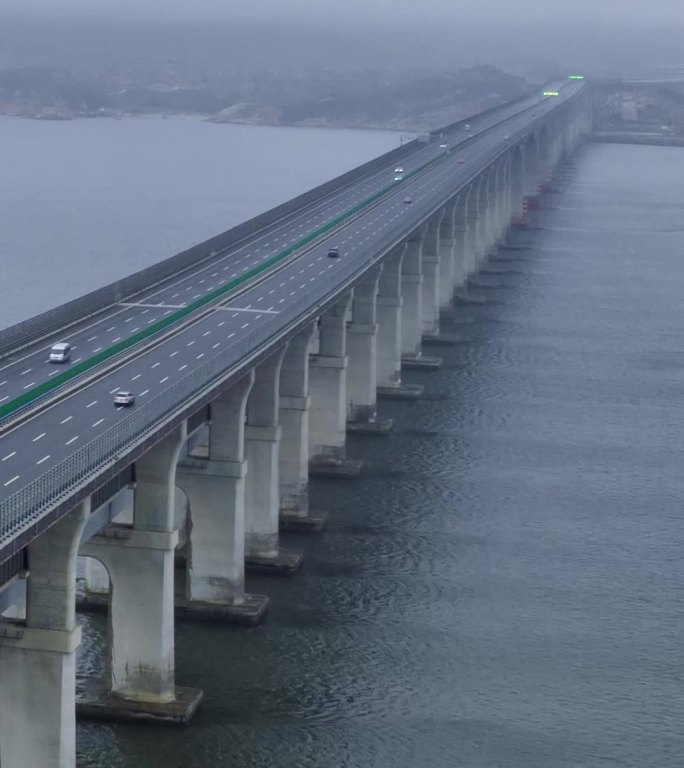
x,y
40,442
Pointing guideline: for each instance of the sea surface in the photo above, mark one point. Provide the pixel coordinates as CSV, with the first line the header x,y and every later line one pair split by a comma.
x,y
503,587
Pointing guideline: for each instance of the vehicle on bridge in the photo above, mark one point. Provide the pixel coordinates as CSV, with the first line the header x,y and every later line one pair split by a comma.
x,y
124,398
333,252
60,352
408,199
398,174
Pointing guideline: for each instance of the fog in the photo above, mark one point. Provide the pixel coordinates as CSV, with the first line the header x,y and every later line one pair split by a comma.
x,y
425,12
531,38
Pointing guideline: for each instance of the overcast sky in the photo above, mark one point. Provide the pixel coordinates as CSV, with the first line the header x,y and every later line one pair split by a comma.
x,y
520,12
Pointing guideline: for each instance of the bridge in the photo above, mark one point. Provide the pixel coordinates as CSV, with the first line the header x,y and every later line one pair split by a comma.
x,y
251,357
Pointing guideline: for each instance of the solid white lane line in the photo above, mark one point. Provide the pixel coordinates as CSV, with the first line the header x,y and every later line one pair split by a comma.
x,y
45,458
9,482
69,442
68,418
9,455
98,422
40,437
90,405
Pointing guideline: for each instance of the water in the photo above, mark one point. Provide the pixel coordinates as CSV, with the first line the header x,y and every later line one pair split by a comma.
x,y
85,202
503,585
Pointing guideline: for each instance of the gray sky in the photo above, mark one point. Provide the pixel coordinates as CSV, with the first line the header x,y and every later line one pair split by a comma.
x,y
604,13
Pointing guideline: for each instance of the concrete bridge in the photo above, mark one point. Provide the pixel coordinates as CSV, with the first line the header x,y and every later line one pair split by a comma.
x,y
251,357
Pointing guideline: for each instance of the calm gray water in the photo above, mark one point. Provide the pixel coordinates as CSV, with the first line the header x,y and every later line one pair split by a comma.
x,y
85,202
503,587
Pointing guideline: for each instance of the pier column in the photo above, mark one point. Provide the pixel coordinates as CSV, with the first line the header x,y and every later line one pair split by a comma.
x,y
295,404
389,304
328,387
447,245
215,490
412,297
262,440
362,380
431,257
140,678
460,270
475,198
38,655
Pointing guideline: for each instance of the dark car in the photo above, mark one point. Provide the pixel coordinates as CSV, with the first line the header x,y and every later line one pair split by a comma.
x,y
334,252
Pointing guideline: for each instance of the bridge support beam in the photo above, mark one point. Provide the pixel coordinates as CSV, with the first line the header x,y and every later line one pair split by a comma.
x,y
460,231
139,558
328,386
38,655
262,446
431,275
389,307
412,308
295,403
362,371
215,491
447,245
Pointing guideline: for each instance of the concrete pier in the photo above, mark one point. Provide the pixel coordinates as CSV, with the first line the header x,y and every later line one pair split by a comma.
x,y
38,655
295,404
140,680
262,497
328,388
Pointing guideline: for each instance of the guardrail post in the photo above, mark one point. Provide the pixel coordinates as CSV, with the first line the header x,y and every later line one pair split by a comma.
x,y
262,497
38,655
328,386
295,405
213,478
140,680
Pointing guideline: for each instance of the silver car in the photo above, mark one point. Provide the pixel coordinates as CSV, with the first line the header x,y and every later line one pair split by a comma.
x,y
124,398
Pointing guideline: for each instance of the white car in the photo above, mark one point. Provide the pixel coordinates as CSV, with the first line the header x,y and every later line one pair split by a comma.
x,y
444,146
124,398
